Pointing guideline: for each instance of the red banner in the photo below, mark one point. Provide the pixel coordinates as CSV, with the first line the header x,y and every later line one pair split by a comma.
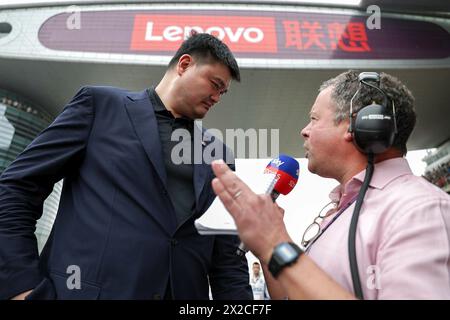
x,y
241,34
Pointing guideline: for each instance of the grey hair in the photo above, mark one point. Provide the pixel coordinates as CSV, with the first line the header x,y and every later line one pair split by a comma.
x,y
346,84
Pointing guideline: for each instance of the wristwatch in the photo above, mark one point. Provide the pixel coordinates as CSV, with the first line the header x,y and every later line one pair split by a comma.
x,y
284,254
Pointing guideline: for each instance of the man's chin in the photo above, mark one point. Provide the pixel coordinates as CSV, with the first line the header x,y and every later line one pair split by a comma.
x,y
311,167
200,115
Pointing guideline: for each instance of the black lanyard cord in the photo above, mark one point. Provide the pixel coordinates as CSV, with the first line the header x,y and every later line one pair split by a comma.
x,y
353,224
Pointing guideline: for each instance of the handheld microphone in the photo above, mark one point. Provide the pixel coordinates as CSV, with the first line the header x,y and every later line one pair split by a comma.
x,y
285,171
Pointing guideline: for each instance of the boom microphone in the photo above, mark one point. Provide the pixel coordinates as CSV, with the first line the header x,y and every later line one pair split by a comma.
x,y
285,171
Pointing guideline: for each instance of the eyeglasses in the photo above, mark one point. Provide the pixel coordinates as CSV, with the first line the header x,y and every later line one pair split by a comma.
x,y
314,229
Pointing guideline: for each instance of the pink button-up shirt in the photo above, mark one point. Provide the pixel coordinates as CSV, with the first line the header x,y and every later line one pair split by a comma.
x,y
403,236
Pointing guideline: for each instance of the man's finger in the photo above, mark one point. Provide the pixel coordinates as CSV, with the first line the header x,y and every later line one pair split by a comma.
x,y
227,199
280,209
220,168
230,181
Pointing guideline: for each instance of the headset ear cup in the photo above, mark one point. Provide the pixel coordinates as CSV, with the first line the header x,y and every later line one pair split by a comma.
x,y
373,129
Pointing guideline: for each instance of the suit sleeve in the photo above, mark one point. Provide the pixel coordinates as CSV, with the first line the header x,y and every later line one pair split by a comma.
x,y
54,154
229,276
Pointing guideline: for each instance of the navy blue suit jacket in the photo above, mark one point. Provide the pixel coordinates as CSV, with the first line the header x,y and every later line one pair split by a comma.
x,y
115,221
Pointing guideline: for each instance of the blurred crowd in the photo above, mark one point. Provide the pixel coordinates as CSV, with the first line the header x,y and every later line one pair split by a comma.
x,y
440,176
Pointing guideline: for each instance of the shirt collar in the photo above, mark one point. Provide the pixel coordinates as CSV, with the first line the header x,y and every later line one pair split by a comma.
x,y
158,105
384,172
160,108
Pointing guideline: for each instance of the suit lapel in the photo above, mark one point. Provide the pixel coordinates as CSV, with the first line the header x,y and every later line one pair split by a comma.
x,y
143,119
201,171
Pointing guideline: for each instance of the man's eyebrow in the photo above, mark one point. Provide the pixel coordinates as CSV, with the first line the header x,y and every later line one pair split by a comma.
x,y
222,84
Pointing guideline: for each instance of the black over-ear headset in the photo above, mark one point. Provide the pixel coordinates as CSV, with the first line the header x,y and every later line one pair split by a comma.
x,y
373,129
374,126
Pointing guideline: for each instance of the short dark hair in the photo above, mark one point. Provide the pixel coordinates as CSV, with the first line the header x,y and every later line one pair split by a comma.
x,y
344,87
206,47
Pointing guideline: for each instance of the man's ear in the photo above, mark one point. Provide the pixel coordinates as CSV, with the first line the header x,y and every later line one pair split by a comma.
x,y
184,63
345,125
348,136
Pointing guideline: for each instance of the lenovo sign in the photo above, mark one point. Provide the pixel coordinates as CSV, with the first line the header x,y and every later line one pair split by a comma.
x,y
241,34
250,34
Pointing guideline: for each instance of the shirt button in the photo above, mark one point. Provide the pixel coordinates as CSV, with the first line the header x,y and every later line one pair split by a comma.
x,y
173,242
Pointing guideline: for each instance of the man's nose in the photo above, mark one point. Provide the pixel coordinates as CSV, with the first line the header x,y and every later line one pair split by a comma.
x,y
215,97
305,132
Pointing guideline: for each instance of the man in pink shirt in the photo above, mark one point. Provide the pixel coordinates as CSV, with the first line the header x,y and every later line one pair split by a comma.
x,y
402,238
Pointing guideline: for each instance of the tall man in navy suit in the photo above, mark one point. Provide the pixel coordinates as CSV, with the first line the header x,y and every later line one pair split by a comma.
x,y
125,224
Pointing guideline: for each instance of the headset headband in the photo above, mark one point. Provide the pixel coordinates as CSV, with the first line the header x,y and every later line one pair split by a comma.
x,y
368,78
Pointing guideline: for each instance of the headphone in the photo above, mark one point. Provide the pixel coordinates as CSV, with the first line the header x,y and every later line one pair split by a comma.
x,y
373,129
374,126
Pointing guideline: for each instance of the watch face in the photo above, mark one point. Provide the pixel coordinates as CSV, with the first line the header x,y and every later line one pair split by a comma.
x,y
283,255
287,252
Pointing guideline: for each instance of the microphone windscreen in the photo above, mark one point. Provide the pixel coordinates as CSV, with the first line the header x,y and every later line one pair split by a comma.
x,y
287,169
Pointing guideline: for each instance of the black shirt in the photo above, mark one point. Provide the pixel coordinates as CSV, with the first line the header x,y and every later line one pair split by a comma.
x,y
179,176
